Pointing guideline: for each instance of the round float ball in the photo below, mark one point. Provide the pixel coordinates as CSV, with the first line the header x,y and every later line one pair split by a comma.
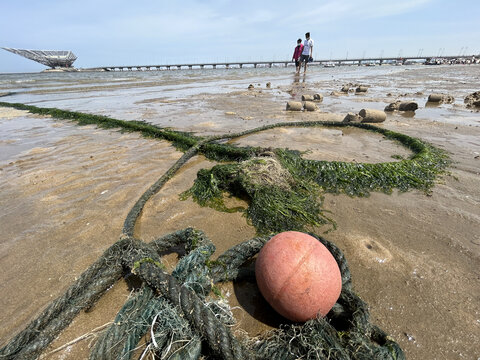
x,y
298,276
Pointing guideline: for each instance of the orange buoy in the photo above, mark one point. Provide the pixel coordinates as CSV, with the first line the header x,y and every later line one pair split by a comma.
x,y
298,276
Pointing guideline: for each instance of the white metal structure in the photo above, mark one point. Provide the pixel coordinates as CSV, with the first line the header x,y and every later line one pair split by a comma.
x,y
52,58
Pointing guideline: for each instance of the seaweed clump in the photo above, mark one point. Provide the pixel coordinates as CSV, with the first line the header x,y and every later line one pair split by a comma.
x,y
279,200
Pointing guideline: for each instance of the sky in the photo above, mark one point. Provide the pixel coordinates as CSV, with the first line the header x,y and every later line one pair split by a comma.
x,y
147,32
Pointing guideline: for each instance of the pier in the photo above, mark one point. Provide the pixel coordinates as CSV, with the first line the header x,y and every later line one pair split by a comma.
x,y
281,63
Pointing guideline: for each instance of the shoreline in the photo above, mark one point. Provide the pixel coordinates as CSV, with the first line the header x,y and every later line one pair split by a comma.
x,y
421,250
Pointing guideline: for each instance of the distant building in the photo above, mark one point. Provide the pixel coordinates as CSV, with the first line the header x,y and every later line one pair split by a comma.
x,y
52,58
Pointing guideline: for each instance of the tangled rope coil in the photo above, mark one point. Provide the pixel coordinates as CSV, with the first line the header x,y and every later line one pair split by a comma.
x,y
183,324
180,299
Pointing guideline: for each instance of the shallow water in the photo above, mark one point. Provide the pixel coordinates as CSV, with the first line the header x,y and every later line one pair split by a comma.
x,y
160,96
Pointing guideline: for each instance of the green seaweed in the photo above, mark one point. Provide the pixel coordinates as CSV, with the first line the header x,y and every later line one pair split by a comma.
x,y
272,206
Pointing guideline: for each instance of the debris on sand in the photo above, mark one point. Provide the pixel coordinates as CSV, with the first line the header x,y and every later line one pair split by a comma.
x,y
294,106
473,100
372,115
310,106
361,89
402,106
352,118
440,98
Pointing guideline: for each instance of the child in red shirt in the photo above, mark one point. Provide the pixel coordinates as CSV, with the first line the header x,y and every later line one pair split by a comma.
x,y
297,53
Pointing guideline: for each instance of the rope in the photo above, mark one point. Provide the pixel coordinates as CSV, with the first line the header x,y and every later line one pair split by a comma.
x,y
317,338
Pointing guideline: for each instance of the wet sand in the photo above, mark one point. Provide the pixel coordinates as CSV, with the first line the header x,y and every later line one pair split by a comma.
x,y
415,258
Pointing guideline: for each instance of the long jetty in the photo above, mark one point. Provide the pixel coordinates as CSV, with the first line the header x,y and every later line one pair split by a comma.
x,y
276,63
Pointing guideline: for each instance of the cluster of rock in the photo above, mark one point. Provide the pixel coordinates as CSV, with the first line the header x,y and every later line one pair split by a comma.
x,y
473,100
308,103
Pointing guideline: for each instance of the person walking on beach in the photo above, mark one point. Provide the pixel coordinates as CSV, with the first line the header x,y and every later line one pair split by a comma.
x,y
296,54
307,52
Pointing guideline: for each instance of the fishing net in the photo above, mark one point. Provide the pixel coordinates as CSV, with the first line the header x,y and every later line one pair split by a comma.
x,y
180,315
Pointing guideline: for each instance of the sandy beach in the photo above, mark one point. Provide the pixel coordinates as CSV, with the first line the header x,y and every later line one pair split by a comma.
x,y
65,191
